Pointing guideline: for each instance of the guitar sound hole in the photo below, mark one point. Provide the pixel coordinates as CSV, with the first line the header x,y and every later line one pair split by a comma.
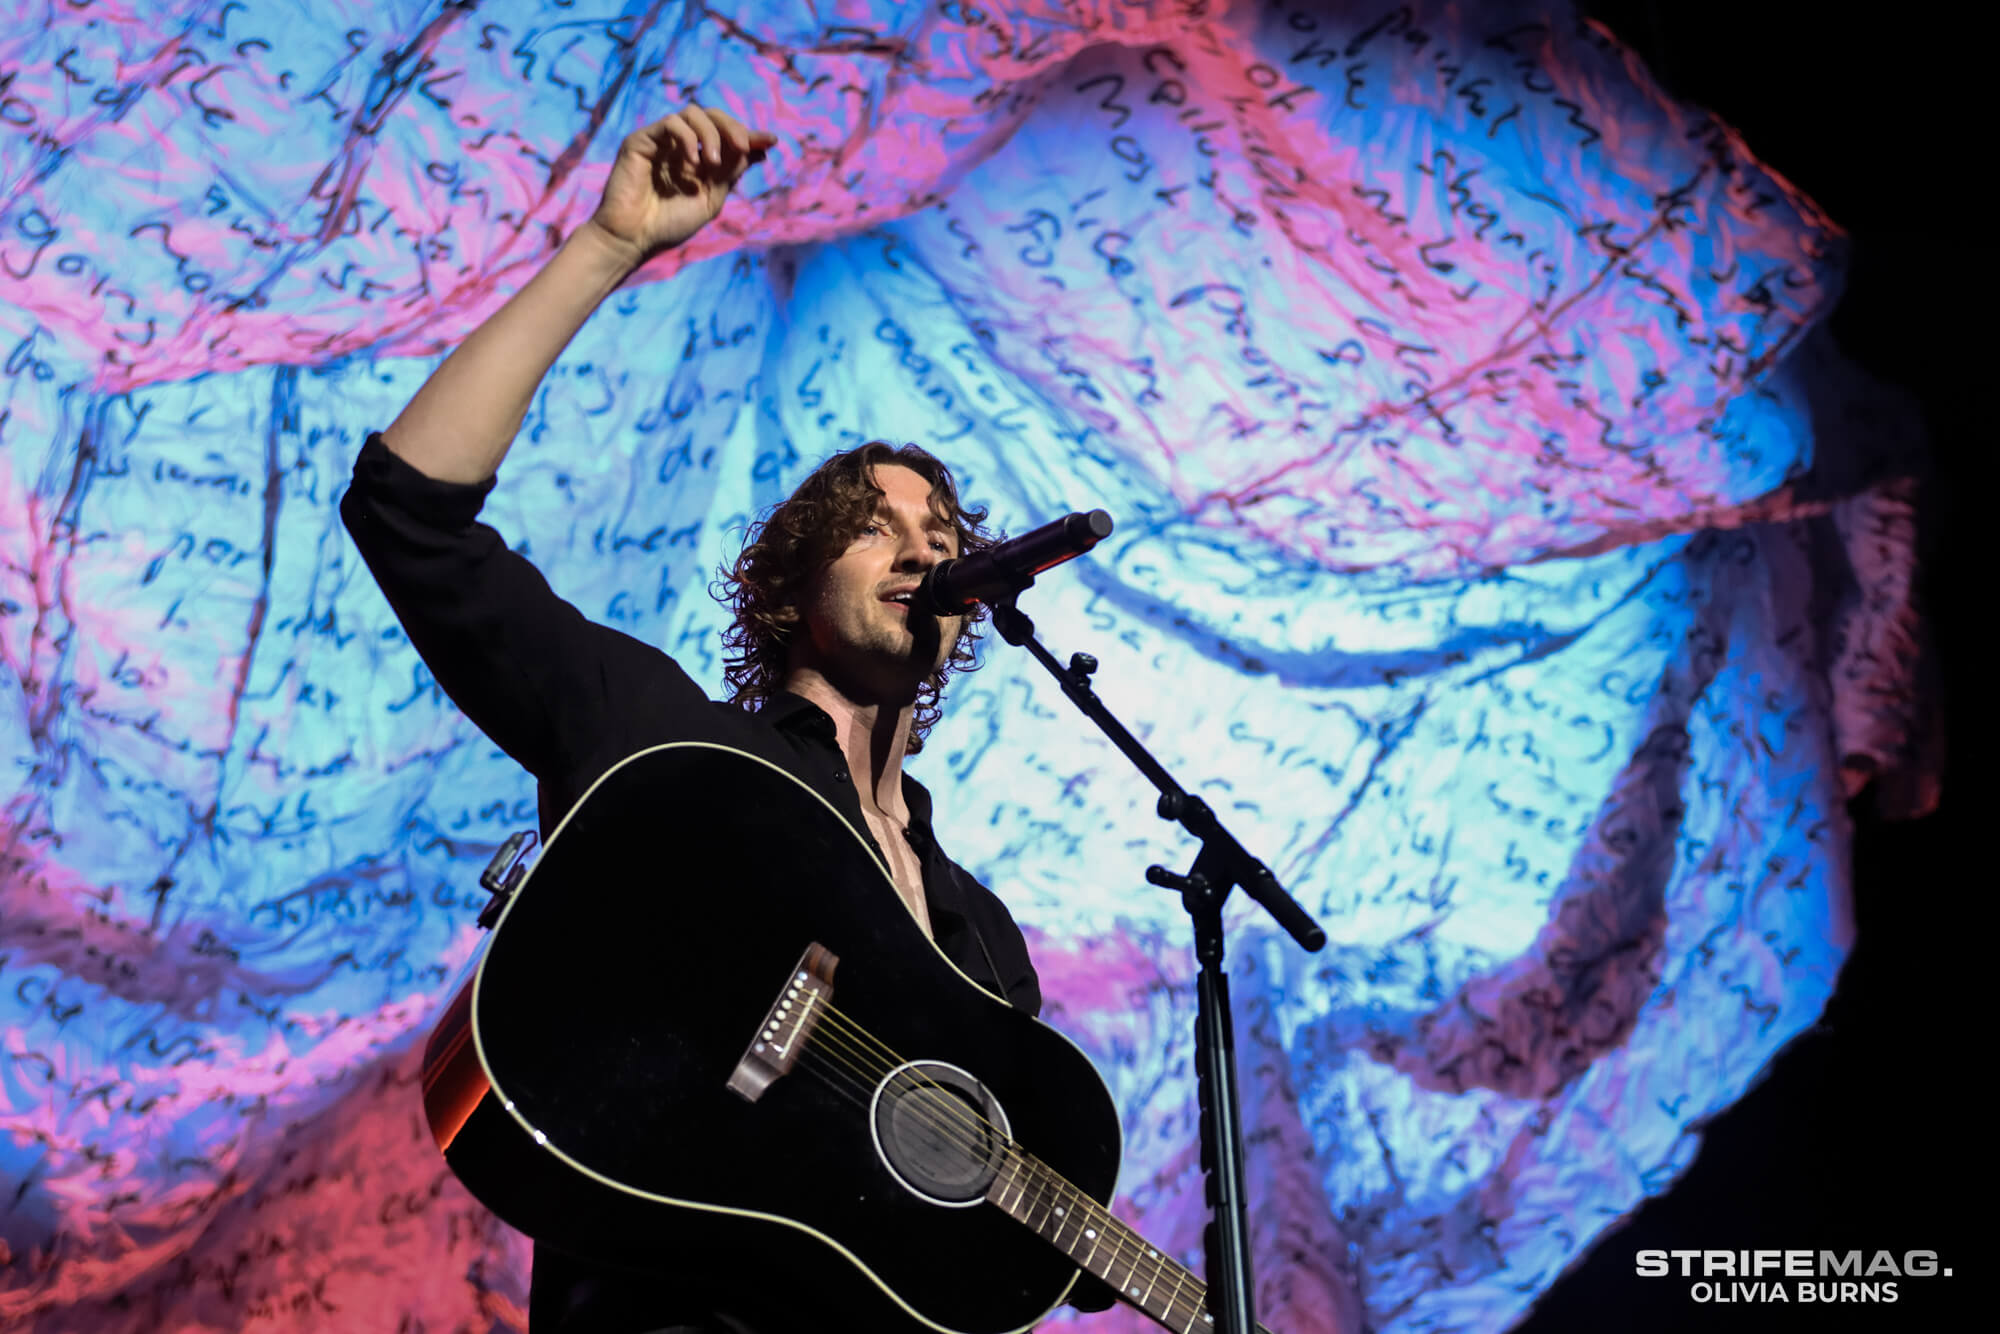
x,y
939,1131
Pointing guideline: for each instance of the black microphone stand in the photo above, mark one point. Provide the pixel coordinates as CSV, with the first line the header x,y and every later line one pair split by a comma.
x,y
1222,865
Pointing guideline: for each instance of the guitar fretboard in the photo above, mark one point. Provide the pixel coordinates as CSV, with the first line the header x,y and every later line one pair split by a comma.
x,y
1089,1234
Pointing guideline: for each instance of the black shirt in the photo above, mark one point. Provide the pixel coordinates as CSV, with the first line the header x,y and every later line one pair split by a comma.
x,y
567,698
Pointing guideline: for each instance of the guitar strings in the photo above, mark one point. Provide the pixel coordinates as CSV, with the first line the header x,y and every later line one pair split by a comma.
x,y
970,1118
1125,1244
1187,1291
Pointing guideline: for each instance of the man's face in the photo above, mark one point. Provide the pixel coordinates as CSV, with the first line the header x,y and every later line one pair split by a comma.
x,y
854,630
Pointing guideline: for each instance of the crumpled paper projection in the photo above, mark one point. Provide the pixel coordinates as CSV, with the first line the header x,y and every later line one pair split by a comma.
x,y
1500,550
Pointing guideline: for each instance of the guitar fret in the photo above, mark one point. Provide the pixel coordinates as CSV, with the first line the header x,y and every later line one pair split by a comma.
x,y
1159,1301
1064,1215
1023,1179
1031,1193
1119,1245
1154,1262
1084,1232
1125,1251
1042,1211
1171,1304
1162,1307
1035,1210
1174,1297
1146,1299
1151,1282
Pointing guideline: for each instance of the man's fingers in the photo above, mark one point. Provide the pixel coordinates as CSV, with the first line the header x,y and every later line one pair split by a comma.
x,y
740,138
676,152
669,144
690,146
737,139
681,143
708,138
648,134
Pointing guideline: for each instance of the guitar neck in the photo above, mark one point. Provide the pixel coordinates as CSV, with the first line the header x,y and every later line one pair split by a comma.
x,y
1031,1192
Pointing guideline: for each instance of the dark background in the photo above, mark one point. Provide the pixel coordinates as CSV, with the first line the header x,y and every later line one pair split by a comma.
x,y
1864,1133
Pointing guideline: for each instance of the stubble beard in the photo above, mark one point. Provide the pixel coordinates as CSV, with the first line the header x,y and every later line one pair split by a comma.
x,y
919,641
899,656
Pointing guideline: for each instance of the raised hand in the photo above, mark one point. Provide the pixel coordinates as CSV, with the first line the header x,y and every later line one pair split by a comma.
x,y
670,179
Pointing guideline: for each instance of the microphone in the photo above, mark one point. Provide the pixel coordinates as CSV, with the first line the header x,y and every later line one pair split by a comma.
x,y
1004,569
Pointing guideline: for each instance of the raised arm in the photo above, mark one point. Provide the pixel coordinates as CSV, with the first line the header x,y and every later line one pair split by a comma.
x,y
669,181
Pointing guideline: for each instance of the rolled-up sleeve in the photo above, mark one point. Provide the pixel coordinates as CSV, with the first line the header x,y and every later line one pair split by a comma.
x,y
525,666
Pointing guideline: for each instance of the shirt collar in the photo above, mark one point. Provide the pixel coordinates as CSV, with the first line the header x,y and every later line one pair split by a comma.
x,y
796,713
918,798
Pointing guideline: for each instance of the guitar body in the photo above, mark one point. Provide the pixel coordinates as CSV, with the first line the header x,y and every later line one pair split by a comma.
x,y
580,1083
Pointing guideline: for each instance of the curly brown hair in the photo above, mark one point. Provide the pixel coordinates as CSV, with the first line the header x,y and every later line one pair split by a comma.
x,y
800,536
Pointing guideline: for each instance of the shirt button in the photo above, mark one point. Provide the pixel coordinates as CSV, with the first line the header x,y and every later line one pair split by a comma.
x,y
842,776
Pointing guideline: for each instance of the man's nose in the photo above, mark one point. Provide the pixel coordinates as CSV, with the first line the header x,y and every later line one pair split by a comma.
x,y
917,553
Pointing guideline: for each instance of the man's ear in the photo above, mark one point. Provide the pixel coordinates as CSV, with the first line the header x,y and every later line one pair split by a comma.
x,y
787,615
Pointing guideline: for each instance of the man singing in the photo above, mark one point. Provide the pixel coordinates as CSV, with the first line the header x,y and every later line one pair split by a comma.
x,y
834,676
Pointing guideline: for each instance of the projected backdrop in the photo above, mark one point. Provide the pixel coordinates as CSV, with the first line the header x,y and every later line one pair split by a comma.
x,y
1456,392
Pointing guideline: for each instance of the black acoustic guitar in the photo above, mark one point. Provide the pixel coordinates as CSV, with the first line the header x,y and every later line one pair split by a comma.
x,y
706,1023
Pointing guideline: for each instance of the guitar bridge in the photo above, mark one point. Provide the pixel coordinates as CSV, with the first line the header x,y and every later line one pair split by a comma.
x,y
785,1030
